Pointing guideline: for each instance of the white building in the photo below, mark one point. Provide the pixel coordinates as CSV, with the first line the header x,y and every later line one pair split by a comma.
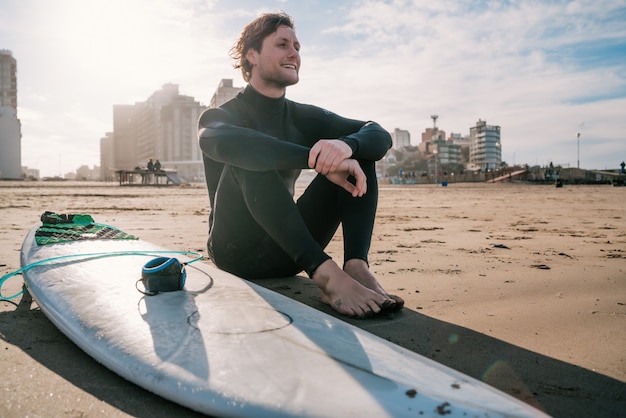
x,y
164,128
225,91
179,125
147,126
401,138
485,146
10,126
107,158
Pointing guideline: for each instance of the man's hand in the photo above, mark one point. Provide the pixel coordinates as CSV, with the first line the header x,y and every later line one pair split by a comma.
x,y
327,154
345,169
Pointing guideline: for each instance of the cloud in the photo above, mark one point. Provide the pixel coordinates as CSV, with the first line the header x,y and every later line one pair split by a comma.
x,y
536,68
516,65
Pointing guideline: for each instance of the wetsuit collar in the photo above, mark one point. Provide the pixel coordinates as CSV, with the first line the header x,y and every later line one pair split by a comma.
x,y
260,101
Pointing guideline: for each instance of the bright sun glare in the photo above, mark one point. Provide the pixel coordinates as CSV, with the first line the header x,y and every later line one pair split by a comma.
x,y
111,42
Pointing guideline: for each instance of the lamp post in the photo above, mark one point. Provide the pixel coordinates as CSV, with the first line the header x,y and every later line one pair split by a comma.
x,y
578,150
498,155
435,152
434,138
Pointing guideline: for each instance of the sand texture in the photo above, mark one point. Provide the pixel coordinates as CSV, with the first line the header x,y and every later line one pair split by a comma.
x,y
521,286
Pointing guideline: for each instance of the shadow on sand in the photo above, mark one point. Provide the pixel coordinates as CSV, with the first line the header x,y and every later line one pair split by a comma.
x,y
28,329
559,388
556,387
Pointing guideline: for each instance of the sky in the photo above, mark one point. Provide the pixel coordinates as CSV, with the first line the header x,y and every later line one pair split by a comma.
x,y
543,71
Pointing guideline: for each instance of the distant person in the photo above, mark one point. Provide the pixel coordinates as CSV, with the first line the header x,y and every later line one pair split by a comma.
x,y
623,164
254,148
157,166
146,178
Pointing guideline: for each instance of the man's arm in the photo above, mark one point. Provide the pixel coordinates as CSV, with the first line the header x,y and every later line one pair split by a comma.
x,y
223,141
367,140
371,142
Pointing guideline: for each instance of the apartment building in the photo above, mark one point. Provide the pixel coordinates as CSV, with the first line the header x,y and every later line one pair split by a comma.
x,y
401,138
164,127
10,126
485,146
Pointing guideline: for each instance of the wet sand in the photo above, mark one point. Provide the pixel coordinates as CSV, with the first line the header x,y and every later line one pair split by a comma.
x,y
521,286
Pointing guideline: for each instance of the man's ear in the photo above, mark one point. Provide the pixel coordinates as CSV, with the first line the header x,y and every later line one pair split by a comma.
x,y
252,56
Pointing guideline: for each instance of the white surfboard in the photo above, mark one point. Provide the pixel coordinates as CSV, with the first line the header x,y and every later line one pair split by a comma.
x,y
227,347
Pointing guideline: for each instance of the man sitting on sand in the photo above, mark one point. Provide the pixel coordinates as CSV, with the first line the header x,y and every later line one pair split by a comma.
x,y
254,148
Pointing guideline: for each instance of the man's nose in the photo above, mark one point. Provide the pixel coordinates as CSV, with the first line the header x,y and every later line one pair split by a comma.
x,y
293,52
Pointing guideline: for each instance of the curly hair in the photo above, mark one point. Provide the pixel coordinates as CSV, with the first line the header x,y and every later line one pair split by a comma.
x,y
253,35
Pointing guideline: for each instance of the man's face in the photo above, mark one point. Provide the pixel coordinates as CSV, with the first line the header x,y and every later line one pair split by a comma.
x,y
278,63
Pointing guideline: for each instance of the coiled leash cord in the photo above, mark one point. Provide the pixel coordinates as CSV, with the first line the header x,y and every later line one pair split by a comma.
x,y
162,274
152,267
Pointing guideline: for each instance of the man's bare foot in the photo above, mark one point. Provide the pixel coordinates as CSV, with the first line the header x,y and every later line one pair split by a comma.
x,y
359,271
346,295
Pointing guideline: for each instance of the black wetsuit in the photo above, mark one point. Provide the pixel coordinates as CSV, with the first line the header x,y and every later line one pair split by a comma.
x,y
254,148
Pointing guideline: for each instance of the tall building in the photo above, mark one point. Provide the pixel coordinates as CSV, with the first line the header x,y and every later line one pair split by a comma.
x,y
225,91
401,138
107,158
164,128
180,123
485,146
147,123
431,138
124,143
10,126
179,134
8,79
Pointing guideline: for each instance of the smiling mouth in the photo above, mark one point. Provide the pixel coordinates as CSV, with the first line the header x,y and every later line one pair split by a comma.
x,y
289,66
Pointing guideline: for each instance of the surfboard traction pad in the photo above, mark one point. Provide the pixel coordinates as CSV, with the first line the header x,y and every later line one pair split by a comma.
x,y
57,228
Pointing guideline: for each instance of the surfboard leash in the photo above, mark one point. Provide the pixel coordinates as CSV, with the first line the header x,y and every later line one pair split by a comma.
x,y
148,253
162,274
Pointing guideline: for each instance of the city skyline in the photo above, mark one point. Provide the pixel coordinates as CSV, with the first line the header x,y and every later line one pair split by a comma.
x,y
543,70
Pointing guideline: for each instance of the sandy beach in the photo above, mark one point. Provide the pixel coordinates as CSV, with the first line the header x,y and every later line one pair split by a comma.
x,y
521,286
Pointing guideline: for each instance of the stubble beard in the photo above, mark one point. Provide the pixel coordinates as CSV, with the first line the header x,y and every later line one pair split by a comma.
x,y
285,81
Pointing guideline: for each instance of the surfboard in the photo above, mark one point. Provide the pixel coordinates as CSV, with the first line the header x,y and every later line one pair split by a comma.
x,y
224,346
